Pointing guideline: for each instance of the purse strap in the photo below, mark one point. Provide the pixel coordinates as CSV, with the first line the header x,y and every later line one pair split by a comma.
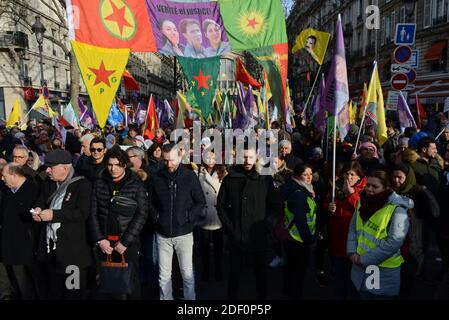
x,y
109,262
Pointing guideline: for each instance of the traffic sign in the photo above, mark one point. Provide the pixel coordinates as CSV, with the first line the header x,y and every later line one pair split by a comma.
x,y
405,33
414,60
411,76
402,54
400,68
399,81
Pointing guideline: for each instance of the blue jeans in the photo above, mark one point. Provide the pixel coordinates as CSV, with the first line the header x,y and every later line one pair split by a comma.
x,y
183,246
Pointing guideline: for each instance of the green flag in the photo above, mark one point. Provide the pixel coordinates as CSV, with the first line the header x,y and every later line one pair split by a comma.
x,y
202,75
253,23
274,59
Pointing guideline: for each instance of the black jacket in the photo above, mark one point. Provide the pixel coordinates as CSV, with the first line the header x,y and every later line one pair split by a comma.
x,y
245,204
130,225
297,204
72,246
92,171
18,236
176,201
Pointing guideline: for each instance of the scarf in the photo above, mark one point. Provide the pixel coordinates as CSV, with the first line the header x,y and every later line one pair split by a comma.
x,y
308,187
409,183
370,204
56,200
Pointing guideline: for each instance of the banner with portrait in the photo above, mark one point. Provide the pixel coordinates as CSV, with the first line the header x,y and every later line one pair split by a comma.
x,y
193,30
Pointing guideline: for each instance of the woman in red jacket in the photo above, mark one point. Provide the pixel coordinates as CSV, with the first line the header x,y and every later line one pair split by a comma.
x,y
347,195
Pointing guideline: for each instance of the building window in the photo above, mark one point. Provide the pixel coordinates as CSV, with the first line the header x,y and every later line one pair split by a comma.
x,y
402,15
440,11
53,33
393,25
439,64
67,79
427,13
382,34
387,29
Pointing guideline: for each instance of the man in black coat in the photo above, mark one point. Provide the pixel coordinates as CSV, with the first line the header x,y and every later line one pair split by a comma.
x,y
94,166
176,204
116,227
63,208
245,202
18,236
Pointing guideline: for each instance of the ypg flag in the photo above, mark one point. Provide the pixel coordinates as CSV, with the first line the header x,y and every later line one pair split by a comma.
x,y
274,59
253,23
202,75
102,70
314,42
111,24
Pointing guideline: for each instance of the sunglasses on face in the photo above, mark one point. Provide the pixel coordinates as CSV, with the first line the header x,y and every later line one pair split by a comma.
x,y
96,149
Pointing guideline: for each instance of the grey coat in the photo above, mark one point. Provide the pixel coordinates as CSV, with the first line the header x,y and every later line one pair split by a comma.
x,y
389,278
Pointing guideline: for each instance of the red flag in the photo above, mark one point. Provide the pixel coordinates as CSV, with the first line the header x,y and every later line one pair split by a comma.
x,y
151,121
111,24
243,75
130,82
421,114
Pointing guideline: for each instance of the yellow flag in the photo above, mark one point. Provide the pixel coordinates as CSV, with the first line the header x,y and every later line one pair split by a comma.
x,y
15,116
351,113
182,107
41,103
314,42
375,109
102,70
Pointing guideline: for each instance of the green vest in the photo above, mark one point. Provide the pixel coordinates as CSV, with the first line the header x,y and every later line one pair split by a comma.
x,y
370,233
289,219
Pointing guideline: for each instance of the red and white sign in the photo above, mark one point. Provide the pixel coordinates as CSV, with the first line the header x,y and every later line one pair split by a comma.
x,y
399,81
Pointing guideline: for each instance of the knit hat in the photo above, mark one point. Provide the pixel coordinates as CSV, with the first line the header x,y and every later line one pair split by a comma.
x,y
369,145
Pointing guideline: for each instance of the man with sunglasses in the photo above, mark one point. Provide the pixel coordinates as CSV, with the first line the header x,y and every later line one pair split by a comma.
x,y
94,166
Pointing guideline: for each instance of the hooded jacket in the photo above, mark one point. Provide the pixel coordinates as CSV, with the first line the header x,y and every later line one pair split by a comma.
x,y
389,277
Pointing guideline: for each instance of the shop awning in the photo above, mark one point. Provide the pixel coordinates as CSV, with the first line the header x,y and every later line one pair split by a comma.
x,y
436,50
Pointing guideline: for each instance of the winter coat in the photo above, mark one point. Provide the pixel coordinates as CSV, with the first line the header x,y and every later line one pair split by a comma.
x,y
340,220
72,246
211,186
176,201
19,231
389,277
245,203
90,170
428,174
131,224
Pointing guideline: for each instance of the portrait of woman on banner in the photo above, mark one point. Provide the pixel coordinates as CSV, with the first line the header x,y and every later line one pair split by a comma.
x,y
172,46
213,33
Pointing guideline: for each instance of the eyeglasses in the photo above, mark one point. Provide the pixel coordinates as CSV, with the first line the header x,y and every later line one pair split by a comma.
x,y
96,149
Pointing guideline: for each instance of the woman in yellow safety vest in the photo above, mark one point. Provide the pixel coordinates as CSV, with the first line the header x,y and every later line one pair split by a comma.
x,y
300,222
378,228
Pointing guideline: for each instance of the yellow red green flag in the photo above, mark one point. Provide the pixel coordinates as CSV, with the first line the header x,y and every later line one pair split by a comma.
x,y
102,71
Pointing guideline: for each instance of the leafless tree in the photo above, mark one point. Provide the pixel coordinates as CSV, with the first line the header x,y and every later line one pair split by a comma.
x,y
18,11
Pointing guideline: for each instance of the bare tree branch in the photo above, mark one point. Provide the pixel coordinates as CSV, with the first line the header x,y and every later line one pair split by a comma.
x,y
53,9
59,43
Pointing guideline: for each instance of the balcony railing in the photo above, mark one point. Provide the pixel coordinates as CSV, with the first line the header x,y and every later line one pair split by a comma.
x,y
13,39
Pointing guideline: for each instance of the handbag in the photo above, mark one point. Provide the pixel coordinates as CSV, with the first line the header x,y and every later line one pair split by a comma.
x,y
123,206
115,277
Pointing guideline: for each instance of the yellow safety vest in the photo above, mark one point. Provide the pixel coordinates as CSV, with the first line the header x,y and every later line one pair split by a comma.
x,y
373,231
289,219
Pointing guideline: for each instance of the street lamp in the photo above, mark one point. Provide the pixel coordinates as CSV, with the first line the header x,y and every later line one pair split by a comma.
x,y
39,29
409,8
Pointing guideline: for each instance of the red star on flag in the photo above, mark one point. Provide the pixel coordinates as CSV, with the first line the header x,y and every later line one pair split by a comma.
x,y
102,75
118,16
202,80
252,23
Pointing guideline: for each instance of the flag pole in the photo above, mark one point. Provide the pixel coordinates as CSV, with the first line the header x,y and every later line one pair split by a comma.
x,y
441,132
334,157
313,86
364,111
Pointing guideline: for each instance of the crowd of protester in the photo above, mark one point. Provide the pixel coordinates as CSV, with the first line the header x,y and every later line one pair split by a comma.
x,y
109,195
